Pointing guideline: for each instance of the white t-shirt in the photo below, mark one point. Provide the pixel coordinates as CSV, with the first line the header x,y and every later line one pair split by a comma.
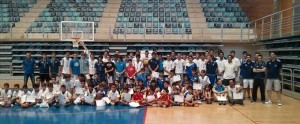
x,y
236,61
204,80
16,93
69,85
230,69
65,65
168,65
48,94
22,93
104,60
7,94
221,65
138,66
201,64
37,95
92,63
179,66
185,63
90,94
113,95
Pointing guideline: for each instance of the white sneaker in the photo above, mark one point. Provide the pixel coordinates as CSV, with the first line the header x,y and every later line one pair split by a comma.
x,y
268,102
199,102
279,103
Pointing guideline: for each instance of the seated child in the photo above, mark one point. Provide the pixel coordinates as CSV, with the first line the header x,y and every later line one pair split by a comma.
x,y
23,96
113,95
185,88
5,96
138,96
39,82
203,80
125,96
48,96
167,86
207,94
232,89
56,85
79,93
101,89
95,80
164,99
16,93
89,94
63,97
151,97
220,91
176,91
189,99
43,88
37,94
99,97
160,80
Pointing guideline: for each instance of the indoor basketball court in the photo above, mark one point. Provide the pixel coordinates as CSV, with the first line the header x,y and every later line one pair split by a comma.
x,y
149,61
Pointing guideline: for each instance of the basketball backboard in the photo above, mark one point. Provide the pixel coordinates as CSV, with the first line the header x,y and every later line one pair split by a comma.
x,y
77,29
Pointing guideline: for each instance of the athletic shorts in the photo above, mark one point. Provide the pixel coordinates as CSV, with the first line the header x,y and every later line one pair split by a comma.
x,y
276,82
248,83
44,77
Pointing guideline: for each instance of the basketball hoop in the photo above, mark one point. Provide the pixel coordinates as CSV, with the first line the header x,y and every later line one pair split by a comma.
x,y
75,42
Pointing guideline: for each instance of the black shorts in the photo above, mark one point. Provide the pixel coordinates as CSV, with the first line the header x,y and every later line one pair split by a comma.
x,y
44,77
226,81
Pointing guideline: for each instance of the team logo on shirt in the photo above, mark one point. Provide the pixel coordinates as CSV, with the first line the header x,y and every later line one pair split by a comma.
x,y
76,64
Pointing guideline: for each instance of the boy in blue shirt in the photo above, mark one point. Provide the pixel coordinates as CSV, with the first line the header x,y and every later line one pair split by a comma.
x,y
120,66
74,67
142,77
190,67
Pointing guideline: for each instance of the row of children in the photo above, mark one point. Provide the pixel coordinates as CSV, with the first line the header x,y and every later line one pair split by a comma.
x,y
134,93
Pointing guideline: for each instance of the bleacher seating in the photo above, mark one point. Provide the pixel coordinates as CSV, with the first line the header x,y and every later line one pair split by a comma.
x,y
152,17
226,12
67,10
11,12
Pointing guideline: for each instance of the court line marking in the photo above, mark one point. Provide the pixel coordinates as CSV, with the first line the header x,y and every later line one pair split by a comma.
x,y
145,115
71,113
244,115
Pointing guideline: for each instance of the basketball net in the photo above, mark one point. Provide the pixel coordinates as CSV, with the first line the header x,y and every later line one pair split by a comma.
x,y
76,42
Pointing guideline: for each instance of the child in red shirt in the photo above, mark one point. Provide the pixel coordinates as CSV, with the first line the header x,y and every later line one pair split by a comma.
x,y
164,99
138,96
151,97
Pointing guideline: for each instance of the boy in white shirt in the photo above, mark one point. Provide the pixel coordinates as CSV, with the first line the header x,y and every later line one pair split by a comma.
x,y
220,62
6,96
16,92
232,89
37,94
237,62
91,93
168,66
92,67
113,95
63,97
22,95
65,63
68,83
200,61
48,96
179,66
138,64
79,93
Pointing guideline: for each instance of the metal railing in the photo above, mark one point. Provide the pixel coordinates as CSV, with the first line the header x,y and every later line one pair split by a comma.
x,y
280,24
203,34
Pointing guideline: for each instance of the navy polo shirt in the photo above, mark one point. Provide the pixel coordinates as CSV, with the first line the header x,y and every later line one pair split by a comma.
x,y
44,66
248,70
28,66
260,65
211,67
273,68
100,68
153,63
54,66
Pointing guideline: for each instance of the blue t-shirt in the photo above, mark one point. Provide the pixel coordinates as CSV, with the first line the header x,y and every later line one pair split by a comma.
x,y
153,63
248,70
189,69
219,88
74,64
143,78
28,66
160,66
44,66
160,82
54,65
261,65
211,67
100,68
120,66
241,70
273,68
193,79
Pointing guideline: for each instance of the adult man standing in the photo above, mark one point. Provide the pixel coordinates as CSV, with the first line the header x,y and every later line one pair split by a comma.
x,y
274,68
211,70
259,76
221,60
230,70
65,63
179,66
168,66
84,65
248,76
28,66
74,67
55,66
92,63
44,66
153,63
